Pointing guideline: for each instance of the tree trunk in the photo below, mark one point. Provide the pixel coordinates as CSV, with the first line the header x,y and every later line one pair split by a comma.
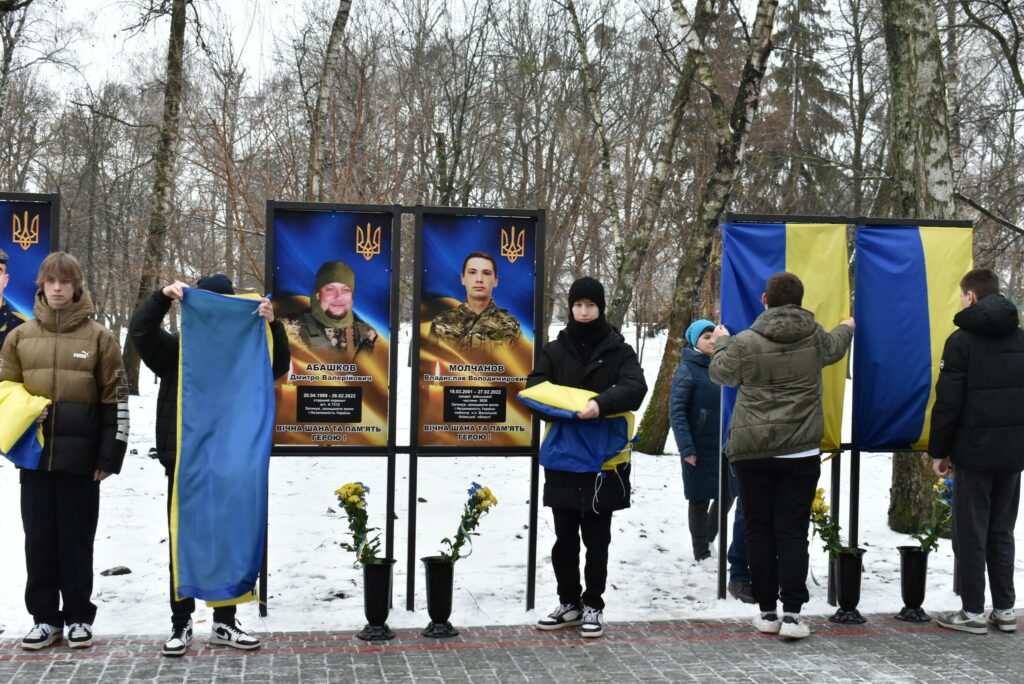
x,y
922,173
318,118
163,177
732,129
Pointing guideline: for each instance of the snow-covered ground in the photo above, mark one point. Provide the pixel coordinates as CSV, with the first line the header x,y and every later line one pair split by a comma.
x,y
314,584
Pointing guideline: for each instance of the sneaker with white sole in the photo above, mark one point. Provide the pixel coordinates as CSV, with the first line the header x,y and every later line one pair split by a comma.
x,y
593,622
793,627
41,636
565,615
181,639
767,623
962,622
1003,620
79,635
230,635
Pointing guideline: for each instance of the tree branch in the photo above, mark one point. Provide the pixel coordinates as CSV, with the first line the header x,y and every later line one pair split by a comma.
x,y
988,213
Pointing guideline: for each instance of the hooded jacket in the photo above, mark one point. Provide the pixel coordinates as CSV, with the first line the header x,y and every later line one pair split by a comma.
x,y
978,416
776,363
694,412
76,363
158,349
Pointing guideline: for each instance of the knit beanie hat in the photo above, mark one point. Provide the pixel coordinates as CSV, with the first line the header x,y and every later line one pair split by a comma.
x,y
696,329
587,288
217,282
335,272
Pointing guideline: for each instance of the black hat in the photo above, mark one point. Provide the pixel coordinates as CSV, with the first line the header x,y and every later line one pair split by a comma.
x,y
587,288
217,282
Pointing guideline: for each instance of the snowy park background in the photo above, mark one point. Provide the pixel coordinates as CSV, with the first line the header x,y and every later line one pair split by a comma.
x,y
315,585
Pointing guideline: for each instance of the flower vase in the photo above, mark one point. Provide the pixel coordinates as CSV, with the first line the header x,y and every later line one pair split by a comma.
x,y
377,599
848,564
440,573
913,580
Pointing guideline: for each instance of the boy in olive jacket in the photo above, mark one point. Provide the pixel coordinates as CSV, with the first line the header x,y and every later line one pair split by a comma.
x,y
774,440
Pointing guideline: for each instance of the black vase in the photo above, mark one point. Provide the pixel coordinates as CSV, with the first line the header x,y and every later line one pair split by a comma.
x,y
440,574
377,599
913,580
848,563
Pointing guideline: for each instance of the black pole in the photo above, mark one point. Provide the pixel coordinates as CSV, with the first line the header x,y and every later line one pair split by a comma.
x,y
531,543
854,496
723,510
836,481
389,524
410,562
263,566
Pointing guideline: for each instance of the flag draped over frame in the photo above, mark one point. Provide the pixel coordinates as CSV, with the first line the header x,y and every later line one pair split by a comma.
x,y
225,424
814,252
906,293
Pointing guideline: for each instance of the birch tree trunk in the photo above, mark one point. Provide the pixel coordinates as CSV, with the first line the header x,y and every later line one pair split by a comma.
x,y
318,118
732,128
922,188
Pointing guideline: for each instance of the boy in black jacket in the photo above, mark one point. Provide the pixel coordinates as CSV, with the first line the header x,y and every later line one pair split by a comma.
x,y
977,424
158,349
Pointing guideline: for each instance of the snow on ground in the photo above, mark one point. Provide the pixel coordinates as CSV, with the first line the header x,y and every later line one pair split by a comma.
x,y
314,584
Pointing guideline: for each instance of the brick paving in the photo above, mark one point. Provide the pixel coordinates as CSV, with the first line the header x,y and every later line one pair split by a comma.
x,y
884,649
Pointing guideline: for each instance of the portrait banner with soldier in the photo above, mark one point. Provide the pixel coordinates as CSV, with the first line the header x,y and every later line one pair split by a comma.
x,y
476,328
28,232
330,272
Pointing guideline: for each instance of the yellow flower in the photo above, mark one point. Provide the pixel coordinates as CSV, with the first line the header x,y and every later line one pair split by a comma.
x,y
360,504
352,499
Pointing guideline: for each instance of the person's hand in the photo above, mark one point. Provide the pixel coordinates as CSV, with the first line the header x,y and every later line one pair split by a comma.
x,y
44,414
175,290
266,310
691,459
592,411
848,322
720,331
940,466
101,475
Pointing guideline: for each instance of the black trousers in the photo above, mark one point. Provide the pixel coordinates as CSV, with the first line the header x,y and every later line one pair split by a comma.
x,y
777,495
59,512
984,515
703,521
596,530
181,611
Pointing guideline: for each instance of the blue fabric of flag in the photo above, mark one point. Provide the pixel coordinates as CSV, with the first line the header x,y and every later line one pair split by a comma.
x,y
226,418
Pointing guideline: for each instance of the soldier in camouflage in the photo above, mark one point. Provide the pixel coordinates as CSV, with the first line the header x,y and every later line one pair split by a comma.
x,y
478,322
331,324
9,320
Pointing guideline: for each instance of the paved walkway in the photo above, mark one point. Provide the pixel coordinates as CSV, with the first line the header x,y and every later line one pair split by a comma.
x,y
691,650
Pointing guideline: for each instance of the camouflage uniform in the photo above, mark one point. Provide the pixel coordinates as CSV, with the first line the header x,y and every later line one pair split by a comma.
x,y
465,329
350,340
9,320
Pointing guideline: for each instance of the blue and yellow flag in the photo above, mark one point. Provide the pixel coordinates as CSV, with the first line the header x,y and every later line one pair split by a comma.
x,y
907,292
814,252
225,423
21,436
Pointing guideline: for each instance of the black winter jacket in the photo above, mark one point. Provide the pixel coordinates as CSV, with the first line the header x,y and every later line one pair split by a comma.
x,y
158,349
978,417
615,374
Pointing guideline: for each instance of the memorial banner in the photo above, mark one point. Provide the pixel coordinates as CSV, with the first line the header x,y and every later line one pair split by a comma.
x,y
331,274
476,332
27,236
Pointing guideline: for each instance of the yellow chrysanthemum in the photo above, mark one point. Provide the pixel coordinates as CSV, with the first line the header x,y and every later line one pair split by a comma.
x,y
360,503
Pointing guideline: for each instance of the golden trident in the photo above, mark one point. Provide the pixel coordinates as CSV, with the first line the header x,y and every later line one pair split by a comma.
x,y
513,246
368,241
25,232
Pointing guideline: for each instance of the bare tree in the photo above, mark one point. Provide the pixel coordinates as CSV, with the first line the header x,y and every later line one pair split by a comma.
x,y
317,122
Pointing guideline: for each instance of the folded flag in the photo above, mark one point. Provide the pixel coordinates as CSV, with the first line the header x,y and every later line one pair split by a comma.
x,y
225,424
575,445
21,436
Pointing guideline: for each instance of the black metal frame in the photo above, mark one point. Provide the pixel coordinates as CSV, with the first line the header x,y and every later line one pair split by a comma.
x,y
390,451
416,451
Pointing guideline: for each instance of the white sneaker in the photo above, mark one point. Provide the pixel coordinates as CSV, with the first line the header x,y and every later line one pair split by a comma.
x,y
41,636
79,635
767,623
593,622
565,615
794,628
181,639
230,635
1003,620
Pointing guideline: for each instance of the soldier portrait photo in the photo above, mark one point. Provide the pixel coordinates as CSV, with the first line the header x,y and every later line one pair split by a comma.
x,y
478,321
330,324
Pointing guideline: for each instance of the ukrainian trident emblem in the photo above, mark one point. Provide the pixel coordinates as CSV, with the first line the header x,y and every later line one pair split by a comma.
x,y
513,245
368,241
25,231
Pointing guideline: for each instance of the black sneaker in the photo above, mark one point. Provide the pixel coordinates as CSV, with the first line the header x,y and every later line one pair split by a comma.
x,y
41,636
79,635
565,615
742,590
181,639
593,622
230,635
